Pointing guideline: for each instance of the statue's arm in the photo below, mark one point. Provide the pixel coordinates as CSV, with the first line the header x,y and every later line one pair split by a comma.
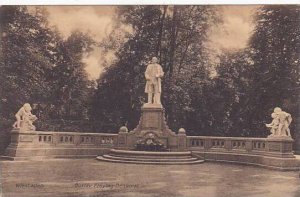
x,y
161,72
147,73
19,113
18,117
289,118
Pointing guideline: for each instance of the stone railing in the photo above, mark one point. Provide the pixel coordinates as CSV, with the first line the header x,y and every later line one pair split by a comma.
x,y
271,152
73,138
276,152
59,144
282,146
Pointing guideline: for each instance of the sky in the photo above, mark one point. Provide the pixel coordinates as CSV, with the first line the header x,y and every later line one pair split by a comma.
x,y
97,20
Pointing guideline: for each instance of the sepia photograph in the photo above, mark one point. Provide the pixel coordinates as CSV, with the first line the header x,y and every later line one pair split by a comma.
x,y
150,100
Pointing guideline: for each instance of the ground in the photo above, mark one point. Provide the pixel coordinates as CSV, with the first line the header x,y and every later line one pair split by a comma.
x,y
92,178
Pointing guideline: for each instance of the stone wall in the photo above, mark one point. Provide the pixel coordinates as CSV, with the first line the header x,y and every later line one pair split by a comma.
x,y
274,152
29,144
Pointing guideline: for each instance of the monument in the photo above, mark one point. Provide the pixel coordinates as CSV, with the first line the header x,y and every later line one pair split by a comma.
x,y
152,142
280,123
25,119
153,76
152,129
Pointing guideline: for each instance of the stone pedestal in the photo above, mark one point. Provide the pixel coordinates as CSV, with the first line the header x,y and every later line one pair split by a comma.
x,y
153,119
152,125
281,146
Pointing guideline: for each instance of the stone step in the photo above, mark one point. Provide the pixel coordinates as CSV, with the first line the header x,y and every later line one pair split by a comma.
x,y
151,156
149,153
101,158
154,159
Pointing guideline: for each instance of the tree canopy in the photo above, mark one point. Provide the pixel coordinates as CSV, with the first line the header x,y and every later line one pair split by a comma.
x,y
233,96
39,67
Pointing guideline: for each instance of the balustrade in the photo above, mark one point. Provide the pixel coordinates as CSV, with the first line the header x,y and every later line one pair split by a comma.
x,y
227,143
45,138
238,144
87,139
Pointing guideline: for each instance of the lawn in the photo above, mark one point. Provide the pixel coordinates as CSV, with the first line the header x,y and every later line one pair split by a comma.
x,y
92,178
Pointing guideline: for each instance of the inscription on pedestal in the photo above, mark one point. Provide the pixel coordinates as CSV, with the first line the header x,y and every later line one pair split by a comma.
x,y
26,138
274,147
151,120
287,147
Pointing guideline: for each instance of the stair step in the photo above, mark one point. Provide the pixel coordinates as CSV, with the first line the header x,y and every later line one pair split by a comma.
x,y
154,159
151,156
101,158
149,153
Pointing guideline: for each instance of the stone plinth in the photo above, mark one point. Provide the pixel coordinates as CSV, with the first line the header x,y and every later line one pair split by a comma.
x,y
282,146
4,141
153,119
152,125
148,157
37,144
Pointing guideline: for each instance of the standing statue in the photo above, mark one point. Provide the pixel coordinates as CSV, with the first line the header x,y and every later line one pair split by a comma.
x,y
153,75
25,118
280,123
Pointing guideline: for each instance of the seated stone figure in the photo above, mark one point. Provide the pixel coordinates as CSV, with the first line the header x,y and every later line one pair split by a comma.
x,y
274,124
25,118
280,124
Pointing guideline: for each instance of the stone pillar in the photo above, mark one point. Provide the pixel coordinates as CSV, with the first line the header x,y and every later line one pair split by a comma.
x,y
122,137
182,145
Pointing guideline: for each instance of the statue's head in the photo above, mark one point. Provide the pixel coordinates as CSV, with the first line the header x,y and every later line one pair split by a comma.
x,y
277,109
27,107
154,60
273,115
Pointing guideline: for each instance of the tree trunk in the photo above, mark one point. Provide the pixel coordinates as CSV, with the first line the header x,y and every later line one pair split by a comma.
x,y
173,42
160,35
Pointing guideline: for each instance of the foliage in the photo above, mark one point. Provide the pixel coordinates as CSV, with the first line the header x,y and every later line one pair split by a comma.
x,y
41,68
175,34
275,47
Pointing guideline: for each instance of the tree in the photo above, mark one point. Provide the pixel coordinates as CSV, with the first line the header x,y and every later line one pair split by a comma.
x,y
275,46
228,95
71,92
39,67
25,47
177,35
